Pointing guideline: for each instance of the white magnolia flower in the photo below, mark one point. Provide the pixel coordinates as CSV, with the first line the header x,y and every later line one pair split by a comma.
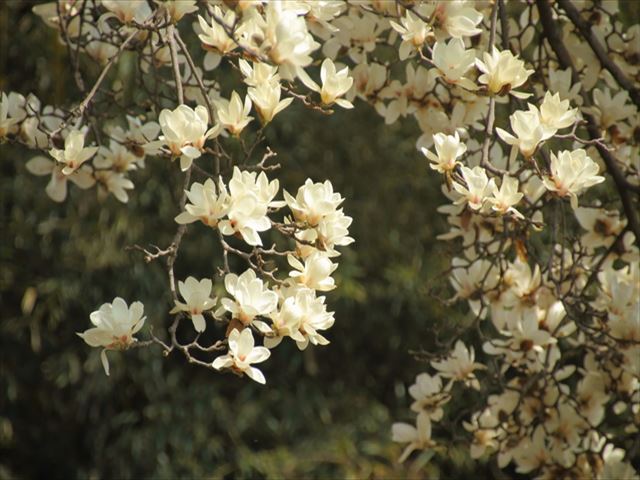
x,y
251,196
502,72
313,201
458,18
453,61
448,149
315,272
259,73
176,9
56,189
128,10
117,183
529,132
285,322
206,205
609,110
560,81
334,84
592,397
247,216
414,32
533,452
117,158
478,187
418,437
31,134
369,79
287,39
460,365
197,297
602,226
251,297
314,317
429,396
301,316
233,114
619,292
505,197
483,438
114,326
74,153
523,284
565,429
572,172
185,132
242,354
214,37
556,114
615,466
331,231
266,99
136,137
244,182
526,342
470,280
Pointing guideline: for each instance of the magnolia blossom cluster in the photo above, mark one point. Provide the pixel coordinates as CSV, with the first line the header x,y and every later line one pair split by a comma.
x,y
529,115
236,202
67,155
287,307
540,255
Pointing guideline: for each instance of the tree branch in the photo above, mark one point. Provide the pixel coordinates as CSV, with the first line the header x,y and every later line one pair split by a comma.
x,y
80,109
171,38
195,73
599,50
550,29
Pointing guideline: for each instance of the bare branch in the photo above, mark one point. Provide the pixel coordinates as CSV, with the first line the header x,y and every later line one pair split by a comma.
x,y
598,49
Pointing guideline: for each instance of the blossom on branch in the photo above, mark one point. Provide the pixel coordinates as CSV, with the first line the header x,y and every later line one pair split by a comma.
x,y
572,172
232,114
185,132
56,189
206,205
114,326
448,150
502,72
197,300
242,354
74,153
251,297
454,61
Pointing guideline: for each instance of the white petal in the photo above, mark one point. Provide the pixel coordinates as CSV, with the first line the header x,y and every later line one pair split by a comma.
x,y
57,188
222,362
256,375
40,165
184,218
198,322
105,361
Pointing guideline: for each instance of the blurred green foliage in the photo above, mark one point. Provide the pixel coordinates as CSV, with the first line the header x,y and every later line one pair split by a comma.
x,y
324,413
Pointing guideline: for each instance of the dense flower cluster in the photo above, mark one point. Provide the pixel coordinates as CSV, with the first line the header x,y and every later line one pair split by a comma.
x,y
525,140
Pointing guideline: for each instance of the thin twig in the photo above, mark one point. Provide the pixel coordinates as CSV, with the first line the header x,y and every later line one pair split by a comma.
x,y
491,116
551,31
171,38
195,73
600,52
80,109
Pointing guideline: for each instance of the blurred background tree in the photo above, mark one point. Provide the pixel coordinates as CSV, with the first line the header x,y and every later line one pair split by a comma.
x,y
326,413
